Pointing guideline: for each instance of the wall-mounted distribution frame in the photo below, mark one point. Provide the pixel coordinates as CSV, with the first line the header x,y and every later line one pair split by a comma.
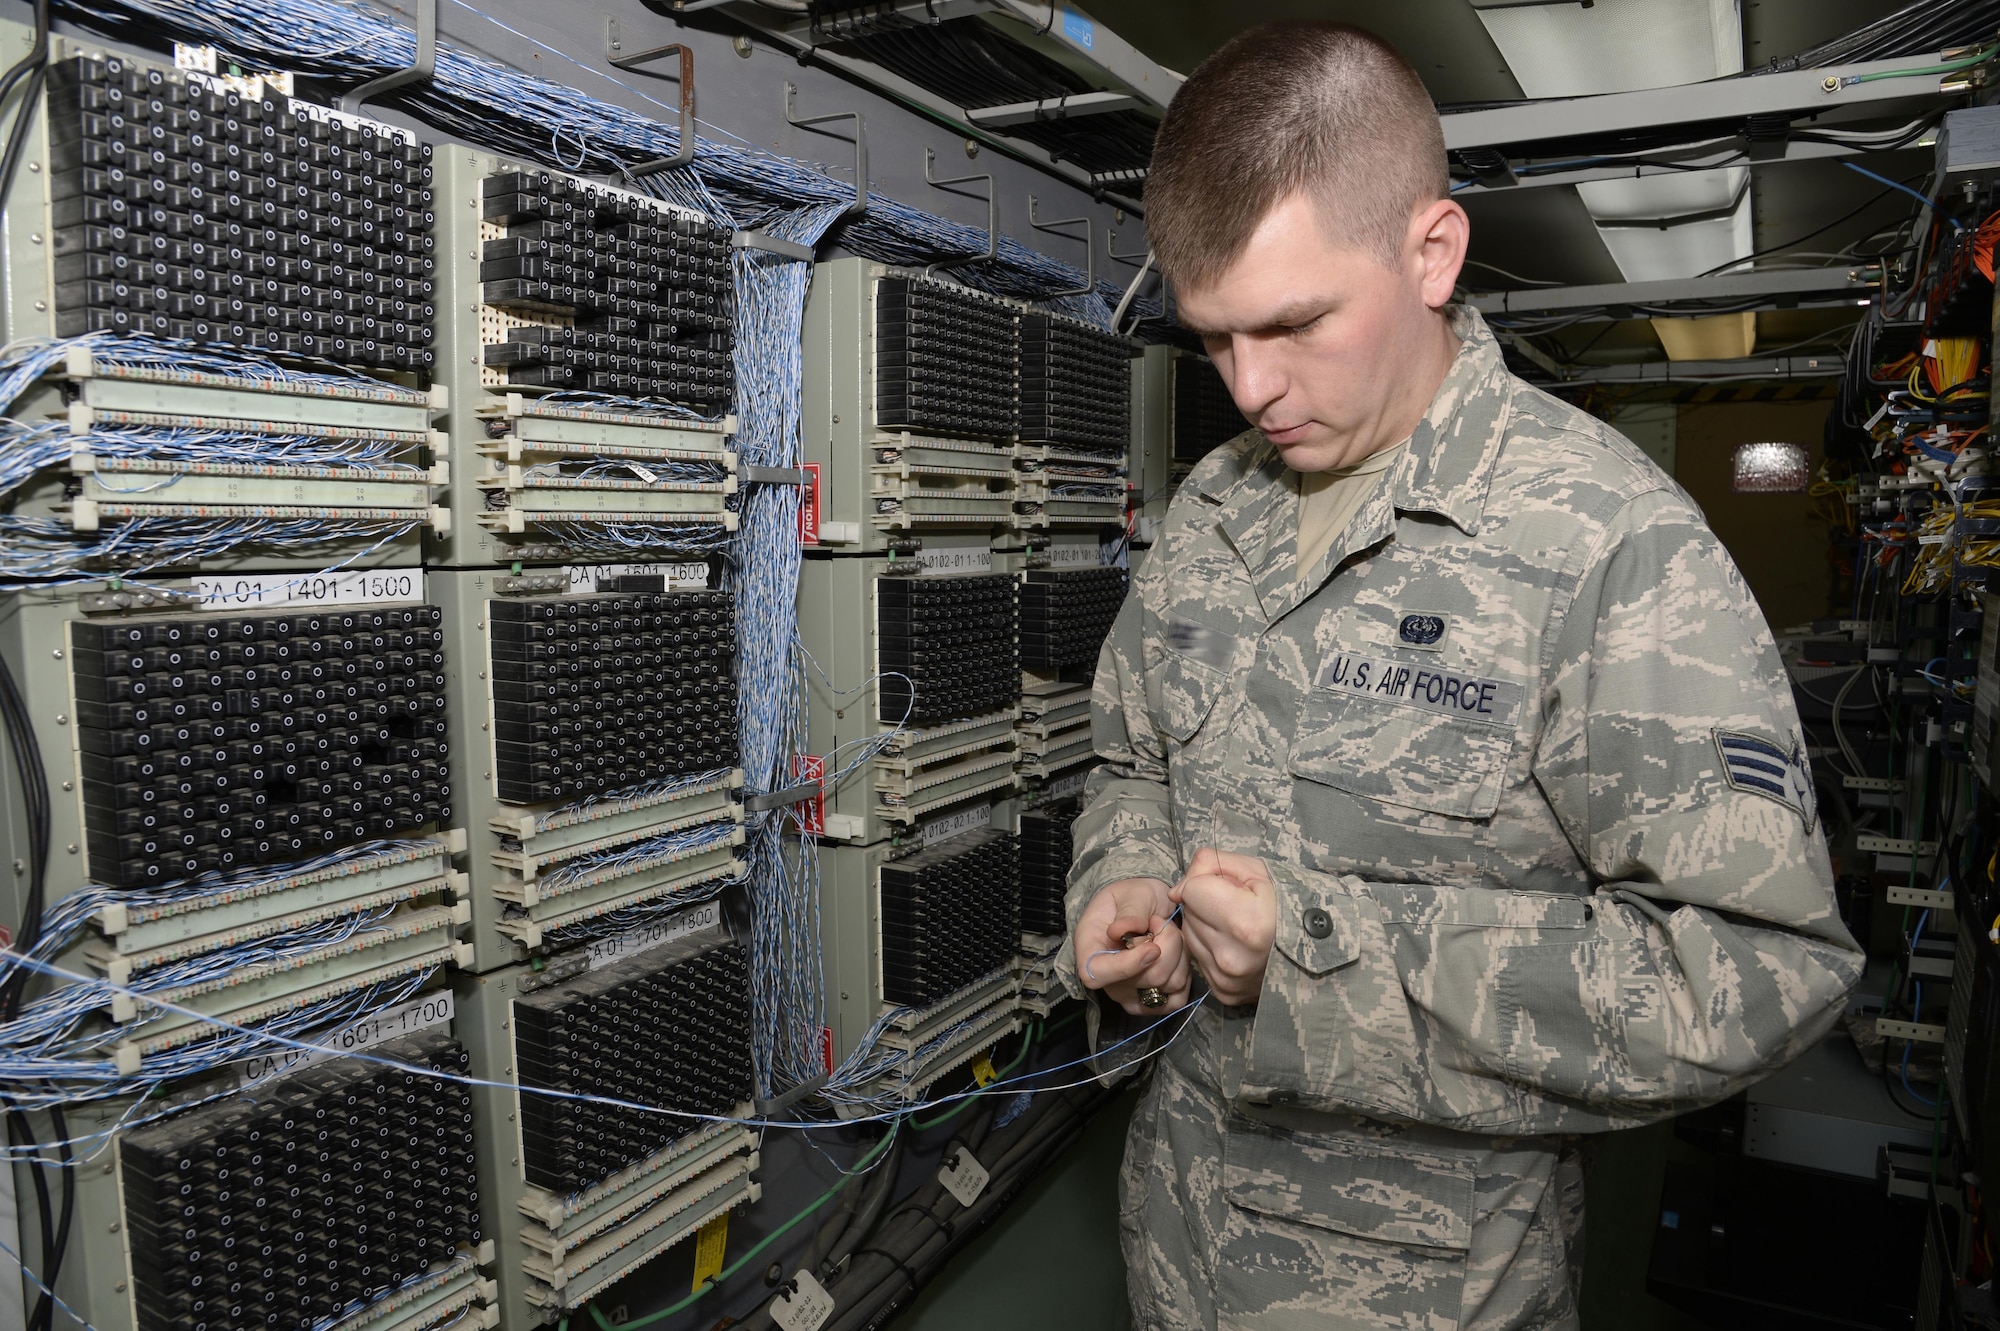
x,y
1180,410
1053,733
501,432
512,847
557,1251
936,766
96,1276
851,905
936,483
417,883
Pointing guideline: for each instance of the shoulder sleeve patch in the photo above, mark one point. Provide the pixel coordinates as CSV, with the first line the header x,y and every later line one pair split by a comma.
x,y
1760,766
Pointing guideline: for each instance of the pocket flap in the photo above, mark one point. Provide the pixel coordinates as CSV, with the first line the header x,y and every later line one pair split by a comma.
x,y
1399,755
1181,693
1369,1189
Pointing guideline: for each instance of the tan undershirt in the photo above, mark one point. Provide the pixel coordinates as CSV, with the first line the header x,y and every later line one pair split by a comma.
x,y
1328,501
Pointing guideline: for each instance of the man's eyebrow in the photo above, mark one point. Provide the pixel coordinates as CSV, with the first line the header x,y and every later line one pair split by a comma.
x,y
1292,312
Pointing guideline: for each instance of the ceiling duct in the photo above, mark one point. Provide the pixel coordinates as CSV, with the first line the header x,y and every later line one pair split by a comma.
x,y
1658,227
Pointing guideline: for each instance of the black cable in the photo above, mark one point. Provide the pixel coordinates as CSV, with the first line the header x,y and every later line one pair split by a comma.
x,y
1810,235
23,1135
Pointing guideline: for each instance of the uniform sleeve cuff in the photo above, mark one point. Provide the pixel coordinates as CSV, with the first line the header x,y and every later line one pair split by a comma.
x,y
1318,926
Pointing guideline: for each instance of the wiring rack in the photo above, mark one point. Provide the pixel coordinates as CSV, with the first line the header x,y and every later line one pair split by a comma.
x,y
582,1209
184,207
909,401
551,462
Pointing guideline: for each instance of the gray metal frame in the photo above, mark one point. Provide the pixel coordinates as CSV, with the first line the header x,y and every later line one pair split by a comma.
x,y
1775,288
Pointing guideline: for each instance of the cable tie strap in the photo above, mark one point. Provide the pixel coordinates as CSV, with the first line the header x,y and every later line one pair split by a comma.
x,y
757,240
756,475
778,799
779,1103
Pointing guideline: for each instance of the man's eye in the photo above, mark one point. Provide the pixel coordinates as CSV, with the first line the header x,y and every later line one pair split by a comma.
x,y
1305,327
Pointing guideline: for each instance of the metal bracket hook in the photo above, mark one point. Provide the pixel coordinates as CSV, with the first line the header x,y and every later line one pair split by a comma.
x,y
1089,246
419,71
992,214
616,56
1111,251
859,207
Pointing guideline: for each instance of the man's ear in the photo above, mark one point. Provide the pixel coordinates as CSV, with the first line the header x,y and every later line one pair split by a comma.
x,y
1438,236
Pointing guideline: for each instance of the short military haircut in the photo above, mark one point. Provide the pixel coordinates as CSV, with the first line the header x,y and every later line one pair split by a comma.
x,y
1289,107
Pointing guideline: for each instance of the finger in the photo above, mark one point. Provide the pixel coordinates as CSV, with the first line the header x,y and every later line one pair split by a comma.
x,y
1210,896
1127,924
1119,966
1204,861
1172,950
1243,868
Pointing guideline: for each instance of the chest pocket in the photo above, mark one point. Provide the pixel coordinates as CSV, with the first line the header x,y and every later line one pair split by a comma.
x,y
1401,755
1180,693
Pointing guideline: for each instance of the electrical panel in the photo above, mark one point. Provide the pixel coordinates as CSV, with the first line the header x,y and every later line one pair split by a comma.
x,y
922,686
583,1194
334,1188
184,209
1068,600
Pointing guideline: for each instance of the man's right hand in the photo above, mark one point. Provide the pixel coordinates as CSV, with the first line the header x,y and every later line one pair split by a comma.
x,y
1139,908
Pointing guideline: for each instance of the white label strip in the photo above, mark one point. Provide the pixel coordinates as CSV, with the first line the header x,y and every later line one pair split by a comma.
x,y
418,1014
645,938
1076,556
955,559
952,824
1063,787
583,578
276,591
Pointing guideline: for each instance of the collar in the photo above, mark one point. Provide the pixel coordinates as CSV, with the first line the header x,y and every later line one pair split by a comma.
x,y
1446,469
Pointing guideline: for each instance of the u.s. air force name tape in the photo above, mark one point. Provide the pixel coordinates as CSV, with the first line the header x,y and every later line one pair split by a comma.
x,y
1494,702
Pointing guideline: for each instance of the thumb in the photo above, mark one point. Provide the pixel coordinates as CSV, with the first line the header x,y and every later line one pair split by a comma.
x,y
1205,861
1245,869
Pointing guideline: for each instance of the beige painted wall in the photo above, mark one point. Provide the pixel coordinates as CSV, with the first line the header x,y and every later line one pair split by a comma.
x,y
1777,542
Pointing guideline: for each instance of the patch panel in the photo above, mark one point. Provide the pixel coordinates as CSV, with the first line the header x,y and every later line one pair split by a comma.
x,y
555,462
920,691
563,1245
595,692
943,985
950,913
345,1190
1181,410
212,742
116,407
604,290
1075,385
182,208
909,406
1046,849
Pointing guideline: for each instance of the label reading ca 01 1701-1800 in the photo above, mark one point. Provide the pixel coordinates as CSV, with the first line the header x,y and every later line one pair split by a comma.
x,y
1479,698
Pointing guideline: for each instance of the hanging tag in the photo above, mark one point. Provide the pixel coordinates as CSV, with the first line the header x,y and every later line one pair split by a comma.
x,y
983,1071
643,473
805,1308
709,1244
964,1177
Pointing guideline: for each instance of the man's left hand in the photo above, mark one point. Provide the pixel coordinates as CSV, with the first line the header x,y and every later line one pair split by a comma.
x,y
1229,915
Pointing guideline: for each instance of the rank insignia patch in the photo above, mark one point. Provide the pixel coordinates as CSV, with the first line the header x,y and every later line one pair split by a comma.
x,y
1757,765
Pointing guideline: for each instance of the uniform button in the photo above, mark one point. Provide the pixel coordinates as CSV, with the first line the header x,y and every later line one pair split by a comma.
x,y
1318,923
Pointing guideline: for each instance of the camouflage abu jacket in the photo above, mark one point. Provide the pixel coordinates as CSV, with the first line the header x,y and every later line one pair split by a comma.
x,y
1523,761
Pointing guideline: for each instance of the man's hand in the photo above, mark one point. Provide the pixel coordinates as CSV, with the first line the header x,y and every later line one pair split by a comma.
x,y
1136,909
1230,918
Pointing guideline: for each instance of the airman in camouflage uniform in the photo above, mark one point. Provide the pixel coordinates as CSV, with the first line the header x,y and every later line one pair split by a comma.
x,y
1520,761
